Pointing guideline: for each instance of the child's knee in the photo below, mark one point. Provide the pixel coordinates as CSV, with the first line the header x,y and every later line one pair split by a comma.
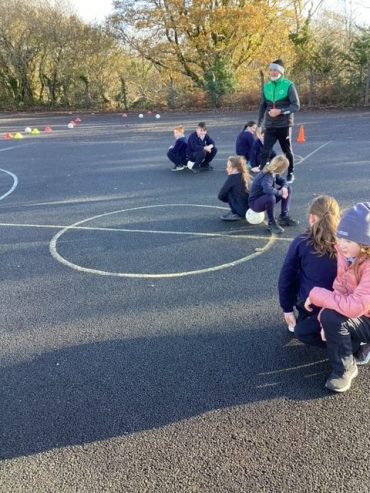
x,y
270,200
329,320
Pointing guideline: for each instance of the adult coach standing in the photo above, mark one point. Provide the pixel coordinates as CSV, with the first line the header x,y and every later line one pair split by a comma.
x,y
279,101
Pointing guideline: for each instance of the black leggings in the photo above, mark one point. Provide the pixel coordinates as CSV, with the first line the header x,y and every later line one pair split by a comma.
x,y
343,336
283,136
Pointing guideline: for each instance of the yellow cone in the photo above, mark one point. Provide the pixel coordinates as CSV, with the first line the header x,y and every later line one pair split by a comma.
x,y
35,131
18,136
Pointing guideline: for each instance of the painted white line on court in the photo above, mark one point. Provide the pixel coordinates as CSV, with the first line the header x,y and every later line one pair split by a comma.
x,y
314,152
15,178
13,187
151,231
169,275
11,148
293,368
79,268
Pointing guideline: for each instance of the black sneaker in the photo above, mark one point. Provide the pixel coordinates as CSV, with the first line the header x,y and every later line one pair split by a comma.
x,y
195,170
274,228
342,383
290,178
287,221
207,168
178,168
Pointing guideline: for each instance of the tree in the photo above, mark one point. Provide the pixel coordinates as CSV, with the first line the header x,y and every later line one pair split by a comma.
x,y
359,58
207,41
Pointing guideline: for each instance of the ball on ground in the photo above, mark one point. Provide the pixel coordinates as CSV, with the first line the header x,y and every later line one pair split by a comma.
x,y
28,130
254,217
158,116
141,115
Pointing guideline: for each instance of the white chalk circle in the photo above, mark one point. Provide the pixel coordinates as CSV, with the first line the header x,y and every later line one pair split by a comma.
x,y
55,254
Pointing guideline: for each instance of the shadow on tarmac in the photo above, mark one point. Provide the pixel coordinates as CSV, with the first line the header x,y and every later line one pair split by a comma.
x,y
101,390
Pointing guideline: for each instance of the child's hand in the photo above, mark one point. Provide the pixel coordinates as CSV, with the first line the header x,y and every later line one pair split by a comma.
x,y
284,192
290,320
307,304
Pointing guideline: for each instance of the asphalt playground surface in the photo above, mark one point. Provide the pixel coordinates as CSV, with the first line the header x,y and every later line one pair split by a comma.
x,y
142,345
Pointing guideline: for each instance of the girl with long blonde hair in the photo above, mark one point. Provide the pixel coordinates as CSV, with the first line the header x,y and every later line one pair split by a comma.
x,y
269,188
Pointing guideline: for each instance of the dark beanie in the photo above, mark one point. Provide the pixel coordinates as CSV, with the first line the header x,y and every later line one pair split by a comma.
x,y
277,65
355,224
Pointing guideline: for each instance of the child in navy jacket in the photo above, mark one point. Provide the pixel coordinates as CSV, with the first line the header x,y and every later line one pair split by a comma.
x,y
177,152
235,189
311,260
255,154
201,149
268,188
245,140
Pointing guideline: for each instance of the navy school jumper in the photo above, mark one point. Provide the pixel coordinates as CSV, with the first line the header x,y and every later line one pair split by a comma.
x,y
302,270
177,152
234,193
196,152
244,143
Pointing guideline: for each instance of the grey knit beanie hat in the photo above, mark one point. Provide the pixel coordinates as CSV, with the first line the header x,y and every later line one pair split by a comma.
x,y
277,65
355,224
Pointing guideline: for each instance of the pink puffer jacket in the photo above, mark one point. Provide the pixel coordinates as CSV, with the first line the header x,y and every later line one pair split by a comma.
x,y
349,298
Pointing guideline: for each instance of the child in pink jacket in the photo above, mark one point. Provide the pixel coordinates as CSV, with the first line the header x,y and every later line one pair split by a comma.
x,y
345,313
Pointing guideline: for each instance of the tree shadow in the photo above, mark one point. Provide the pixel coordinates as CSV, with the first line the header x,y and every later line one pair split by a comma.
x,y
96,391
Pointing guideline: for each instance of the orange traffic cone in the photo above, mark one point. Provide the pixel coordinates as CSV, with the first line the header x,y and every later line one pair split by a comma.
x,y
301,138
48,130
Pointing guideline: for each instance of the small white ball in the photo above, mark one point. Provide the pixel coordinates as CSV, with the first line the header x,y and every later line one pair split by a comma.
x,y
254,217
70,125
157,116
28,130
141,115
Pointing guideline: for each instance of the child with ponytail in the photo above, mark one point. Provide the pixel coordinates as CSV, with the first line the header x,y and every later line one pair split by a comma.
x,y
311,260
235,190
269,188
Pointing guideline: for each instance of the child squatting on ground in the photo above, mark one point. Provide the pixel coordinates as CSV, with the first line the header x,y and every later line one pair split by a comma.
x,y
245,140
235,189
311,260
344,318
268,188
177,152
201,149
255,158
